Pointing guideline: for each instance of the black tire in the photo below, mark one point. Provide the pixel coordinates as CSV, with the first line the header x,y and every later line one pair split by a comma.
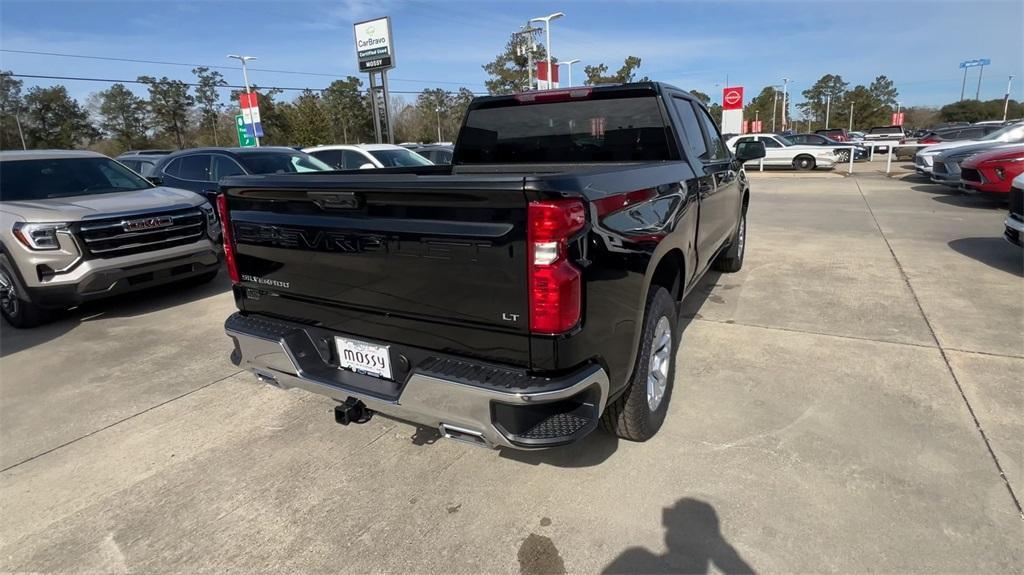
x,y
630,416
731,259
803,163
16,309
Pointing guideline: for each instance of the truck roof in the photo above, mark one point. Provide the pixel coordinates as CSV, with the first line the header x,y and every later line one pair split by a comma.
x,y
11,155
652,87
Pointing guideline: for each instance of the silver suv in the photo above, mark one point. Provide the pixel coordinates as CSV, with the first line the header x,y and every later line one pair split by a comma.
x,y
76,226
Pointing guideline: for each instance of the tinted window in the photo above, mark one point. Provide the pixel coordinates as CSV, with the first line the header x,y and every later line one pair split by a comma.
x,y
691,128
173,167
352,159
146,168
334,158
798,139
610,127
224,166
770,143
396,158
61,178
716,149
132,164
195,167
274,162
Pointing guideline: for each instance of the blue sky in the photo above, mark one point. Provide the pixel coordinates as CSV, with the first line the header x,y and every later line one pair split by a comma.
x,y
692,44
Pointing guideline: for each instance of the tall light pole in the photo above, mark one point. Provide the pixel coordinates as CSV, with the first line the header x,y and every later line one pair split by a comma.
x,y
438,110
1006,98
828,109
785,88
245,77
897,113
547,39
775,105
569,64
850,129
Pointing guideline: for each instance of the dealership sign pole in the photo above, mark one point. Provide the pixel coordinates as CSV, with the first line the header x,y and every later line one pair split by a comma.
x,y
980,62
375,53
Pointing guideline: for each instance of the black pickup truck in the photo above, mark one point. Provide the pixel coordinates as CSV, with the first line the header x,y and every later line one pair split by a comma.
x,y
516,298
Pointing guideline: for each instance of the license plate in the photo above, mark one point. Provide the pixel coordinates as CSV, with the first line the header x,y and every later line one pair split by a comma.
x,y
363,357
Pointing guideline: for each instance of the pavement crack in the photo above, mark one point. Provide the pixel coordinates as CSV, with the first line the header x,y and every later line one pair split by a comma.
x,y
119,422
942,352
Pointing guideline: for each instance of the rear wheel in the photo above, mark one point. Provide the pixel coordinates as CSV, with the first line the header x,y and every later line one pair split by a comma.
x,y
639,412
17,311
731,260
803,163
843,156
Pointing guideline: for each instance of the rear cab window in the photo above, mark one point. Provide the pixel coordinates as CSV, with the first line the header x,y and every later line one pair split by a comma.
x,y
601,126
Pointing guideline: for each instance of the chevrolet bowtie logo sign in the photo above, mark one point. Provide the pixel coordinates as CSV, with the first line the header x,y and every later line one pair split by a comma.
x,y
147,223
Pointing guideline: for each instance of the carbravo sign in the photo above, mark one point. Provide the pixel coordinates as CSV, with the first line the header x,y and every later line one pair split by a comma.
x,y
373,45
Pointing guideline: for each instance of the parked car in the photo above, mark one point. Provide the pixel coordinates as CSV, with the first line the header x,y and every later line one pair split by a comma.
x,y
992,172
199,169
77,226
892,135
856,136
367,156
842,149
923,159
946,164
836,134
142,161
1014,223
516,299
437,154
780,151
972,132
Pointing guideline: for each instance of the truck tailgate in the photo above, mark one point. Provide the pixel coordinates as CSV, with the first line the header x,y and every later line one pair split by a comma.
x,y
401,252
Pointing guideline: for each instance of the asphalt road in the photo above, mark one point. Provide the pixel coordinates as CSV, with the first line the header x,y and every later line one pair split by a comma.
x,y
850,402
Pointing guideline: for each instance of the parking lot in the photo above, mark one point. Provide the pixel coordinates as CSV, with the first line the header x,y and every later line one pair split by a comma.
x,y
850,402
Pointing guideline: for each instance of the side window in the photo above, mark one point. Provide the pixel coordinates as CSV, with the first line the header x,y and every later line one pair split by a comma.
x,y
131,164
799,139
691,128
173,167
146,168
196,167
972,133
770,143
224,166
351,159
814,140
333,158
716,149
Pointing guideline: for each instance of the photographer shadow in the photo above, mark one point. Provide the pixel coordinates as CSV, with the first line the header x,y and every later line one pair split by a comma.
x,y
694,541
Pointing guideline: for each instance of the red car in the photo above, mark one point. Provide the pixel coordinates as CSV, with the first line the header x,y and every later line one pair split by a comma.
x,y
993,171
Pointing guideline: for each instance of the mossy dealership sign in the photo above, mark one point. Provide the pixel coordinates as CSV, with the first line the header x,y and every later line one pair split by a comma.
x,y
373,45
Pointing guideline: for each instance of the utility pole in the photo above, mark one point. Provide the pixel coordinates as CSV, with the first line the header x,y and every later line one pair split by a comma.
x,y
785,87
547,40
1006,104
850,129
438,110
528,31
828,109
17,120
245,77
898,112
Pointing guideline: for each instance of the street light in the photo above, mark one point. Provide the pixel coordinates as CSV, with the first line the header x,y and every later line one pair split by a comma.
x,y
245,77
547,36
569,63
438,110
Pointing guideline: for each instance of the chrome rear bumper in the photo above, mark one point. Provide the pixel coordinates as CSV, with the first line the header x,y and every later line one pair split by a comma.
x,y
284,355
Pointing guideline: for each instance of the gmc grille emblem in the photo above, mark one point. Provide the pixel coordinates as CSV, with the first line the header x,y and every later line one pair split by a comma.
x,y
147,223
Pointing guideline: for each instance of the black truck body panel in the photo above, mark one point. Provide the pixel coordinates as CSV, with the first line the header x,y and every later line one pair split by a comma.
x,y
435,258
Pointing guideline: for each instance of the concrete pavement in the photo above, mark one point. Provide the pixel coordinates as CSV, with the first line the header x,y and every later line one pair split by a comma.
x,y
848,402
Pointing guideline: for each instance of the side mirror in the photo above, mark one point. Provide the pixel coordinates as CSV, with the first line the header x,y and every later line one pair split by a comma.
x,y
747,151
367,166
156,180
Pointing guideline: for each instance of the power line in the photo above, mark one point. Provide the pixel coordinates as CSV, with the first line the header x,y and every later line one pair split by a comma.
x,y
216,67
83,79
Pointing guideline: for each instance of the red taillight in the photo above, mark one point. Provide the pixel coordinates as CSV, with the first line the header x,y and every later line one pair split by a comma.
x,y
929,140
555,284
228,237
